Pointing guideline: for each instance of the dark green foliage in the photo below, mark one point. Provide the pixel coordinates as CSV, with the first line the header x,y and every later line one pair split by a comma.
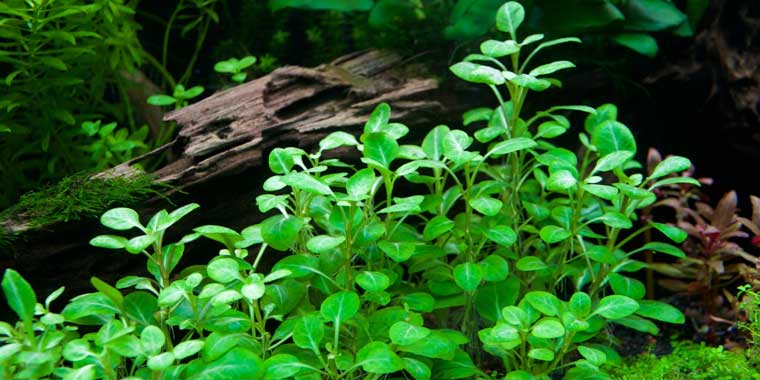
x,y
61,64
689,361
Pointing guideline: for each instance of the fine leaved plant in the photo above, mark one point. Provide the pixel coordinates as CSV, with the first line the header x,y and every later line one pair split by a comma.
x,y
422,261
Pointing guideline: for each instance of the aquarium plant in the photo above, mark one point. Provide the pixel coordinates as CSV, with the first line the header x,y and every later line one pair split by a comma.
x,y
485,251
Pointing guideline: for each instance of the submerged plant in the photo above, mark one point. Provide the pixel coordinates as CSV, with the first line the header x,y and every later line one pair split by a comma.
x,y
418,262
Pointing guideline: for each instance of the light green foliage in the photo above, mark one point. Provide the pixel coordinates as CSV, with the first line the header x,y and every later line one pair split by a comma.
x,y
235,67
496,247
750,303
688,361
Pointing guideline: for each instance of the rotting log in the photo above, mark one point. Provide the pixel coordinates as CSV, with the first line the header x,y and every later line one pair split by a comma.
x,y
219,157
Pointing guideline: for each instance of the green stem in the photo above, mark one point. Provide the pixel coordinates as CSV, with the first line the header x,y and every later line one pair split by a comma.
x,y
198,47
168,31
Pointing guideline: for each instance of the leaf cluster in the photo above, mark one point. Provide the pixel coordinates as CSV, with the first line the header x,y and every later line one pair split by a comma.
x,y
501,244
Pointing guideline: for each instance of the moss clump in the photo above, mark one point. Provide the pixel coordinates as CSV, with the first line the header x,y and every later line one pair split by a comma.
x,y
73,198
689,361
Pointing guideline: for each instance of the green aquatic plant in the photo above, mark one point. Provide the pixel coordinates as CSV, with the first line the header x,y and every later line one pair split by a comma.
x,y
427,259
688,361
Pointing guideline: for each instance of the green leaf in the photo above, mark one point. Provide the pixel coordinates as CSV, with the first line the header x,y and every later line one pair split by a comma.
x,y
140,307
551,129
527,81
676,234
616,307
486,205
324,243
152,339
641,43
580,304
281,161
416,368
594,356
377,357
676,180
422,302
340,307
161,362
238,363
19,295
460,366
432,144
543,354
381,148
112,293
519,375
187,348
502,235
548,328
77,350
638,324
498,49
468,276
612,136
403,333
476,73
670,165
309,332
561,181
552,67
109,242
138,244
615,219
224,270
530,264
379,117
161,100
476,114
662,248
397,251
601,191
303,181
660,311
283,366
612,161
360,184
511,145
54,62
436,227
553,234
280,232
495,268
437,345
337,139
92,304
492,297
86,372
509,17
625,286
121,219
651,15
544,302
373,281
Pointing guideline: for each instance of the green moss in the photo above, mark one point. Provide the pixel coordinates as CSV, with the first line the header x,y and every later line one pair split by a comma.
x,y
74,198
689,361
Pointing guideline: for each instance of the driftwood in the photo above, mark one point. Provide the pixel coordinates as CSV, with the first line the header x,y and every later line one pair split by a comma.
x,y
219,158
232,131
